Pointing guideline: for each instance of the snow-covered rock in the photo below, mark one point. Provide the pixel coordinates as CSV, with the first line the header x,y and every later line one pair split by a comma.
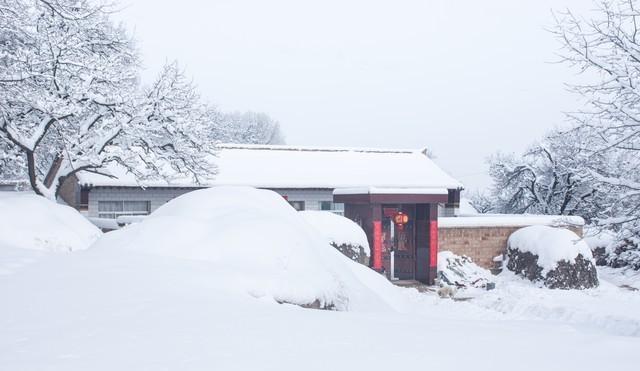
x,y
554,256
34,222
461,271
257,244
342,233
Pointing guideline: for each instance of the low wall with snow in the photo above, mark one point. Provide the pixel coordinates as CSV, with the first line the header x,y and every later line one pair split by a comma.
x,y
484,237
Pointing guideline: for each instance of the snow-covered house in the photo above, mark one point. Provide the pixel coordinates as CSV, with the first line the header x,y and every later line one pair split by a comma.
x,y
305,176
373,187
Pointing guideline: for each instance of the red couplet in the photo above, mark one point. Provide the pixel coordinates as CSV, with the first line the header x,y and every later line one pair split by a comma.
x,y
377,245
433,243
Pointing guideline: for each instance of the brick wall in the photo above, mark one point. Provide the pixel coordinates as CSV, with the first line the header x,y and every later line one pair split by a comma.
x,y
481,244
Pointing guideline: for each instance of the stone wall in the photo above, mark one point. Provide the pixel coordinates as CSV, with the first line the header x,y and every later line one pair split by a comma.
x,y
481,244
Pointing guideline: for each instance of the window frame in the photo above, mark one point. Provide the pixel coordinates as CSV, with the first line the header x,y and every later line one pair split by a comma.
x,y
106,214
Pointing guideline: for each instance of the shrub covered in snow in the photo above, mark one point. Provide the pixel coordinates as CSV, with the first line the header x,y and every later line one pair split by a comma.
x,y
461,271
556,257
610,251
257,244
342,233
34,222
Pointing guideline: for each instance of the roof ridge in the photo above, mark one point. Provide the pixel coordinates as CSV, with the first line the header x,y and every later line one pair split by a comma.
x,y
292,148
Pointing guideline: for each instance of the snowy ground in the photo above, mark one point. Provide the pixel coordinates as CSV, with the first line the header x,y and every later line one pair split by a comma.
x,y
95,310
153,297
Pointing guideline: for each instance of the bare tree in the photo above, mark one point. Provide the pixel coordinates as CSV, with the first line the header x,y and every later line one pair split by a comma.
x,y
608,48
70,98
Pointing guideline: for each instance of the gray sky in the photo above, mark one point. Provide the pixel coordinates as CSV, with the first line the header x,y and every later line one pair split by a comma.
x,y
465,78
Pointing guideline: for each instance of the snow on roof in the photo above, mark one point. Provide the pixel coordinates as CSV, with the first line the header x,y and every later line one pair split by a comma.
x,y
303,167
508,220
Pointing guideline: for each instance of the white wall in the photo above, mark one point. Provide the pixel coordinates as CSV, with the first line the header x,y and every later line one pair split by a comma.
x,y
160,196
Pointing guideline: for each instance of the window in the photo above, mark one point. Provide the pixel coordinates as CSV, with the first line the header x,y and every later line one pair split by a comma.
x,y
114,209
298,205
336,208
326,205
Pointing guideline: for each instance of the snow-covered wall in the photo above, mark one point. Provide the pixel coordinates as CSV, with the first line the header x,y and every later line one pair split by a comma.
x,y
156,196
481,243
159,196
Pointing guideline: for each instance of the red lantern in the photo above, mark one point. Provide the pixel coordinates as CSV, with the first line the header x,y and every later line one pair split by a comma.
x,y
400,219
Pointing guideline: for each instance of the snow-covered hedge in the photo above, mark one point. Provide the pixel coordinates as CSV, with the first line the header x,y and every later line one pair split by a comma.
x,y
342,233
257,244
609,251
34,222
554,256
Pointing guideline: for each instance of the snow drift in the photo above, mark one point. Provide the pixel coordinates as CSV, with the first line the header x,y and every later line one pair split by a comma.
x,y
342,233
257,244
34,222
555,256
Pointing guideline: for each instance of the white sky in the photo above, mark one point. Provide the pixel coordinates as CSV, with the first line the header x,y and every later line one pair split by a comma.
x,y
465,78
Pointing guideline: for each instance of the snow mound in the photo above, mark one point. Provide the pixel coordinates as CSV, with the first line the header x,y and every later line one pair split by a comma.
x,y
34,222
342,233
461,271
551,245
556,257
257,244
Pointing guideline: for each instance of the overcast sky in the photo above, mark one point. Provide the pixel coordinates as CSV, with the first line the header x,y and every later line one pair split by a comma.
x,y
465,78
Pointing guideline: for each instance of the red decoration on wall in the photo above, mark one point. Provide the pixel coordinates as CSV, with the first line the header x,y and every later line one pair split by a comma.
x,y
433,243
377,245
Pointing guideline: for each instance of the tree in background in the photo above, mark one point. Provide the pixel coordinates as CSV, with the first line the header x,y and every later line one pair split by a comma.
x,y
593,168
250,127
70,99
551,177
608,47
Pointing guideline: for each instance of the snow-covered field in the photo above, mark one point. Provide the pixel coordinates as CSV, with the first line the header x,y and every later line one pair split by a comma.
x,y
116,306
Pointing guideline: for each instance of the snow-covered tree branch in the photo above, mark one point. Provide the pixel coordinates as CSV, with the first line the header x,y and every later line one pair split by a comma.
x,y
70,99
607,47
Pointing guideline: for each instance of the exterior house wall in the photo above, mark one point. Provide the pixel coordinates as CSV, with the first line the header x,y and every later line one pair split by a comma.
x,y
160,196
311,197
156,196
481,244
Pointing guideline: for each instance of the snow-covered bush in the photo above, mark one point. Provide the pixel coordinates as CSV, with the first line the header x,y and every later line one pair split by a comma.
x,y
461,271
34,222
610,251
554,256
342,233
258,244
